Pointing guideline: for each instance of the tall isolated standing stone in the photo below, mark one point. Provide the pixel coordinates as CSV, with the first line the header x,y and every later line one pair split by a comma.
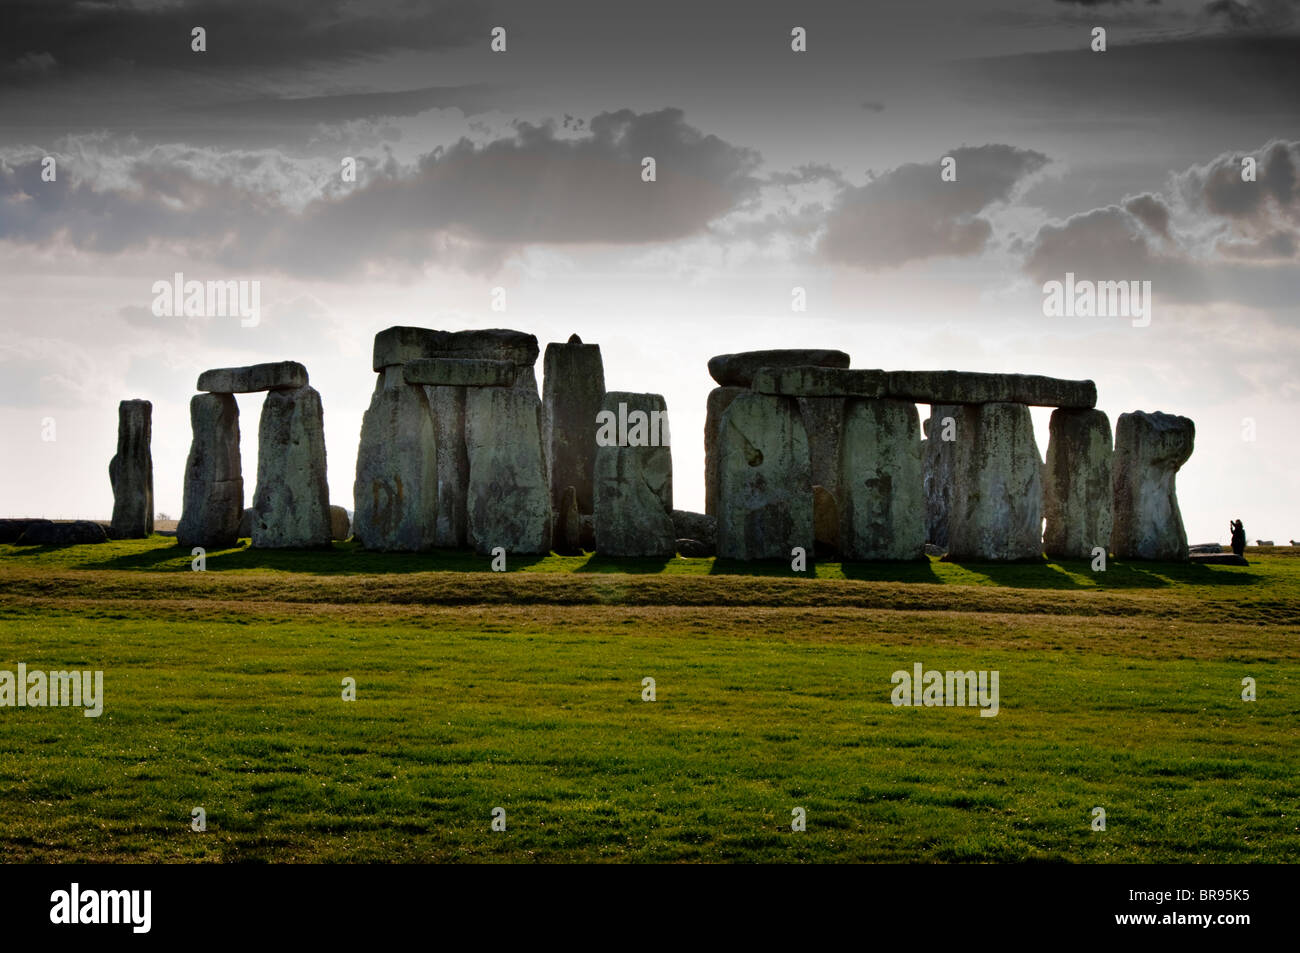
x,y
214,483
882,507
573,387
1077,486
997,500
765,496
509,498
1149,450
939,457
395,493
633,480
131,471
291,506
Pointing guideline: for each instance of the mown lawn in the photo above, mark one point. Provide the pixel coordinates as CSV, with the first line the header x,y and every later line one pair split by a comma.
x,y
523,690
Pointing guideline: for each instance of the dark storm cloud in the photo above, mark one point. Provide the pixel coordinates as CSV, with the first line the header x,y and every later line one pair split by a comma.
x,y
1252,14
1151,211
84,37
467,203
341,108
909,213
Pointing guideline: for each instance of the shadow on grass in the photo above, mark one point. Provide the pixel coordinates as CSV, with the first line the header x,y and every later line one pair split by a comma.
x,y
762,567
913,570
1078,574
640,565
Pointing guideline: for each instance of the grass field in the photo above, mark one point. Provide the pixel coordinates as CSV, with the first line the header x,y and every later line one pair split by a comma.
x,y
523,690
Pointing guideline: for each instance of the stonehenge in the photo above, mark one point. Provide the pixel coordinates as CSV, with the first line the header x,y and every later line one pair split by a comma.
x,y
458,449
131,472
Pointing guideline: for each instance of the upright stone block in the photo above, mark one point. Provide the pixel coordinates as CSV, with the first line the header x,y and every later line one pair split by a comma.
x,y
131,471
452,524
395,493
509,501
291,506
997,499
633,481
573,387
882,508
1149,450
1077,485
939,457
214,484
765,498
720,399
823,420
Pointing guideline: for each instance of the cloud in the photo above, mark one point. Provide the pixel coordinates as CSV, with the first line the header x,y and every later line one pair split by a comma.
x,y
909,213
1252,14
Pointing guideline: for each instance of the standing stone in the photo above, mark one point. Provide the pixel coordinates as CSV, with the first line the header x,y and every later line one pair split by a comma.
x,y
1077,484
573,386
939,456
448,406
997,497
1149,450
882,513
634,483
214,484
131,471
291,506
720,399
568,524
395,493
826,522
823,420
340,525
509,501
765,500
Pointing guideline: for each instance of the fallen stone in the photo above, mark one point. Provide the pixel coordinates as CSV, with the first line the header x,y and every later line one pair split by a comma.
x,y
882,513
933,550
1264,542
573,389
11,530
459,372
131,472
693,549
997,499
399,345
820,382
213,501
1219,559
1205,548
1077,484
969,387
568,524
291,504
340,524
395,492
826,522
509,499
738,370
1149,450
720,399
765,500
633,488
938,456
75,533
697,526
284,375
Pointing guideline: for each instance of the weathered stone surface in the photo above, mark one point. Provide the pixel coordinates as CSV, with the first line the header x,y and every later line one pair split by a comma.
x,y
823,421
633,488
131,471
694,548
573,387
448,405
509,501
1219,559
399,344
765,500
969,387
12,530
340,524
820,382
1077,484
283,375
291,506
568,524
494,344
246,524
720,399
938,457
214,484
1205,548
933,550
587,526
395,492
697,526
997,499
77,532
826,521
459,372
882,508
1149,450
737,370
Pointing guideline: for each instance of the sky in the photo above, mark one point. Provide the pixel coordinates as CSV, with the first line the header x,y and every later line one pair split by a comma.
x,y
775,170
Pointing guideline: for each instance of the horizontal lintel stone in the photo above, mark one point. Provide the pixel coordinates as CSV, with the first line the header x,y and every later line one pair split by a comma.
x,y
970,387
820,382
284,375
457,372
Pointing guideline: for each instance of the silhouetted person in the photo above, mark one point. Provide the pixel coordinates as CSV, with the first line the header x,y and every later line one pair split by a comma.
x,y
1238,536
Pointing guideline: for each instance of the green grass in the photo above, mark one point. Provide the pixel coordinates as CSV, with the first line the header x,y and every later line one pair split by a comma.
x,y
523,690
